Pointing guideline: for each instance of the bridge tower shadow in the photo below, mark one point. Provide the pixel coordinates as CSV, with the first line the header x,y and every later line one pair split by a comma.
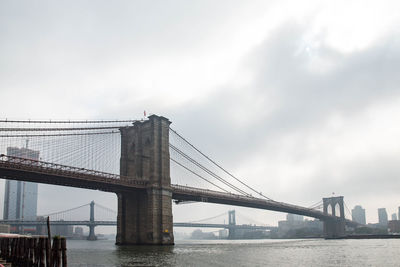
x,y
335,227
145,216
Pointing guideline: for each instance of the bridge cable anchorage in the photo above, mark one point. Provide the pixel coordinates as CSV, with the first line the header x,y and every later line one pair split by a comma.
x,y
220,167
208,171
67,121
198,175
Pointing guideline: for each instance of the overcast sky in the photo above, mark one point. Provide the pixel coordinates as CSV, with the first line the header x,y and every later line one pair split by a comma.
x,y
298,98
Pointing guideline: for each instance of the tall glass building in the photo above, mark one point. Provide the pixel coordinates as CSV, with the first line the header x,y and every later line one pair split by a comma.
x,y
358,214
383,217
20,198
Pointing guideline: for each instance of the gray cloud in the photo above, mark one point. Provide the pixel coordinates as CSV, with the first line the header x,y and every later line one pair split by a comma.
x,y
303,101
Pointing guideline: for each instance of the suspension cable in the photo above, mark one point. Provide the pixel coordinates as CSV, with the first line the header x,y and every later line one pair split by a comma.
x,y
52,135
68,121
216,164
315,205
208,171
57,129
210,218
105,208
350,214
63,211
198,175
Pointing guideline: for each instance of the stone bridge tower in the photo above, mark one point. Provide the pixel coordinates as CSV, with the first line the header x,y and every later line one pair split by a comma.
x,y
232,224
145,216
334,228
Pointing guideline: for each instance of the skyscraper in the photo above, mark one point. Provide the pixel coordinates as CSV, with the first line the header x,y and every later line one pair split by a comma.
x,y
394,217
383,217
20,198
358,214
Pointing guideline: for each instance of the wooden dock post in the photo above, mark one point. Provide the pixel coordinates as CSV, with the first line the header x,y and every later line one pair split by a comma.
x,y
33,251
64,251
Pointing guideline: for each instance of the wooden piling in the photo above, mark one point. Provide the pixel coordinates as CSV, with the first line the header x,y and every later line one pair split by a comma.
x,y
64,251
48,251
33,251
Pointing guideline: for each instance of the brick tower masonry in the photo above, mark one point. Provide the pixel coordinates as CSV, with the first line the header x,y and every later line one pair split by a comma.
x,y
145,216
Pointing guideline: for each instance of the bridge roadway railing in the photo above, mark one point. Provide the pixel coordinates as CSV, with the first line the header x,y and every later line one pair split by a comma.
x,y
30,170
185,193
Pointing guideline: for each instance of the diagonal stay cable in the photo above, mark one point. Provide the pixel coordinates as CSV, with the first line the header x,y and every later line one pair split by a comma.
x,y
198,175
315,205
208,171
216,164
348,210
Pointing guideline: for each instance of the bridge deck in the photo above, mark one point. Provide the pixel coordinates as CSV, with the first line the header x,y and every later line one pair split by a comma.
x,y
15,168
184,193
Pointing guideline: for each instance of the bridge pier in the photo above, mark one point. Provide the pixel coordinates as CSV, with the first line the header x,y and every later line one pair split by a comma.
x,y
334,228
145,216
92,235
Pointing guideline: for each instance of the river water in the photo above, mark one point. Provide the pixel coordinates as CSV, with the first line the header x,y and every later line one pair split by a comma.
x,y
308,252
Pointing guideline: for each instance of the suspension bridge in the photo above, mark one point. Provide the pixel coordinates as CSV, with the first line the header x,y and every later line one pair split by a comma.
x,y
147,164
76,217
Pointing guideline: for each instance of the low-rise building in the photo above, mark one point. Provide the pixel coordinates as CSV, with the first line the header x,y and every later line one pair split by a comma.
x,y
394,227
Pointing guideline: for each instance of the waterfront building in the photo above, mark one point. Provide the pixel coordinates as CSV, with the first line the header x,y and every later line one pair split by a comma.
x,y
223,234
383,217
358,214
20,198
62,230
4,228
294,217
299,228
394,226
78,231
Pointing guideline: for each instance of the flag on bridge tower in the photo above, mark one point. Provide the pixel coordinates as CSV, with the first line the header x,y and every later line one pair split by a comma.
x,y
144,113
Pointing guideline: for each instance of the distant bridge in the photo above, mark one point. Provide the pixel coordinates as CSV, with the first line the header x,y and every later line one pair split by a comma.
x,y
114,223
92,223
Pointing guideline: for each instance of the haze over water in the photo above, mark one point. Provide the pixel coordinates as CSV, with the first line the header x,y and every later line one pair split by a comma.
x,y
278,252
